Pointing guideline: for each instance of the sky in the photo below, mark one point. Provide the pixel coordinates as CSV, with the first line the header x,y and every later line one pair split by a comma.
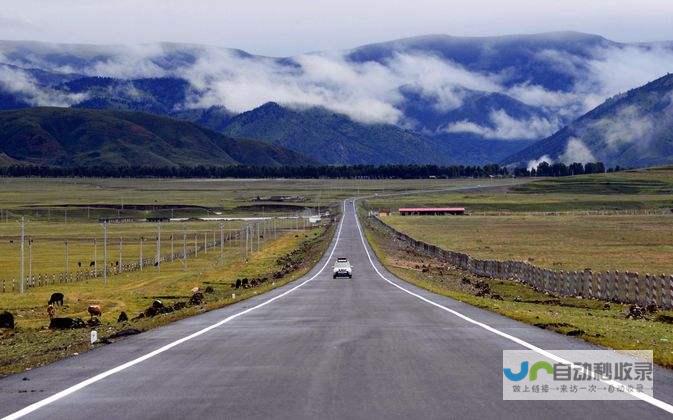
x,y
290,27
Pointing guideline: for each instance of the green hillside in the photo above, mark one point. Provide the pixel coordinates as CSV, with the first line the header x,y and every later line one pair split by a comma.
x,y
84,137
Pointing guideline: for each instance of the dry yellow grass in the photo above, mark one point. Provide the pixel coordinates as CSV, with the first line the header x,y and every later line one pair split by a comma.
x,y
639,243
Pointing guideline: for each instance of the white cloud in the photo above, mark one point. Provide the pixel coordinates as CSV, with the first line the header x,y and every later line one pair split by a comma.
x,y
20,83
533,164
576,152
507,127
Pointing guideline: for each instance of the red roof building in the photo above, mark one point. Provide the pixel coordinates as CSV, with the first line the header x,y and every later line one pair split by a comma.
x,y
431,211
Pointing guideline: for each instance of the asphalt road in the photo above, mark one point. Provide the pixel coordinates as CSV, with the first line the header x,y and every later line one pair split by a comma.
x,y
316,348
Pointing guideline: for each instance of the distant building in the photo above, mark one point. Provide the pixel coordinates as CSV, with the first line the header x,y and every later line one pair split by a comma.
x,y
158,219
431,211
384,212
116,220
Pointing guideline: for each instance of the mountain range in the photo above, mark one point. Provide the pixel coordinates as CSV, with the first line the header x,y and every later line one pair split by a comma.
x,y
634,129
431,99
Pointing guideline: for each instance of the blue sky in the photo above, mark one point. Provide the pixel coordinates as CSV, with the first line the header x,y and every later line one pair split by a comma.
x,y
287,27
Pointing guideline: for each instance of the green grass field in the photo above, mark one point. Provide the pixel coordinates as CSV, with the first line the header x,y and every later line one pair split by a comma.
x,y
569,241
58,200
590,320
31,344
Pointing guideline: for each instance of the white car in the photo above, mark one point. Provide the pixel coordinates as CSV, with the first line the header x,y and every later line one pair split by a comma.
x,y
342,268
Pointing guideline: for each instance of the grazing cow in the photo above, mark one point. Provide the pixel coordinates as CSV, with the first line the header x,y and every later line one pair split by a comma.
x,y
56,298
66,323
79,264
123,317
196,299
157,304
51,311
94,310
6,320
92,264
238,283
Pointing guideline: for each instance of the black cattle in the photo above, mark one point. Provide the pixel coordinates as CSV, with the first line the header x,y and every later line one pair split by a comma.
x,y
238,283
123,317
79,263
196,299
92,263
6,320
66,323
56,298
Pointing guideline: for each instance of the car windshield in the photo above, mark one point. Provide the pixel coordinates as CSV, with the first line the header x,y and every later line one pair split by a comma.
x,y
342,264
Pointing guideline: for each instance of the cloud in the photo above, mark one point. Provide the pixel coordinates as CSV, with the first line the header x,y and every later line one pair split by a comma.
x,y
367,92
506,127
26,88
533,164
576,152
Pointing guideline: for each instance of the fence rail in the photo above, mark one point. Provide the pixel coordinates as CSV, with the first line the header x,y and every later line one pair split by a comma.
x,y
614,286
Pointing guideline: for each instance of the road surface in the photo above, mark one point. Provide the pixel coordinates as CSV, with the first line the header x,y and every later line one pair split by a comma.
x,y
317,348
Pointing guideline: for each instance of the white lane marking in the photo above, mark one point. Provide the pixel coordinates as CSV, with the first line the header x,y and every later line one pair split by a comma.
x,y
639,395
35,406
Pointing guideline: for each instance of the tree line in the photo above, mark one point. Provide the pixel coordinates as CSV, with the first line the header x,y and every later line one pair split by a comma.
x,y
351,171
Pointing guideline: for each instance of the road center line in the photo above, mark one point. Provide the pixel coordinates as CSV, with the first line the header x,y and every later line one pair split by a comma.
x,y
639,395
68,391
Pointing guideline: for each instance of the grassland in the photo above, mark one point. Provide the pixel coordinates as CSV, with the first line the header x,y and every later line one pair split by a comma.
x,y
637,243
637,190
601,323
31,344
512,226
58,200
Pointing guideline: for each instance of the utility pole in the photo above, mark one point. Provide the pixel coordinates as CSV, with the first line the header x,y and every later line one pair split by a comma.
x,y
172,249
159,246
221,240
247,228
23,236
30,260
105,252
196,245
184,248
95,258
121,251
205,242
258,235
66,258
142,239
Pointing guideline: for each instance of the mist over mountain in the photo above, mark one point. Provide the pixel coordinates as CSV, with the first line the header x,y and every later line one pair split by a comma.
x,y
475,99
634,129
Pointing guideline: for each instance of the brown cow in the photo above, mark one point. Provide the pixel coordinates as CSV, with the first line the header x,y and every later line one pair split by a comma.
x,y
95,310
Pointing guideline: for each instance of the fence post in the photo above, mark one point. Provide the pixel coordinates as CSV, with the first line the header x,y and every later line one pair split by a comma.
x,y
670,292
636,288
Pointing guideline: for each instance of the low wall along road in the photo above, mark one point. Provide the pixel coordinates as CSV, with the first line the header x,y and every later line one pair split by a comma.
x,y
614,286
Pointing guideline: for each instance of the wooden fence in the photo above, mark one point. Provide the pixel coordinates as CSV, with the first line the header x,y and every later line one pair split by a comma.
x,y
614,286
112,269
